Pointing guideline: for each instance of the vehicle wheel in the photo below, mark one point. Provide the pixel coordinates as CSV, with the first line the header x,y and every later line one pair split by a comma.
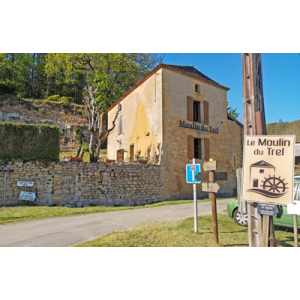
x,y
240,219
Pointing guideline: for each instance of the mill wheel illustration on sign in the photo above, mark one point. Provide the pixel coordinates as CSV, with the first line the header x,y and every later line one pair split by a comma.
x,y
265,184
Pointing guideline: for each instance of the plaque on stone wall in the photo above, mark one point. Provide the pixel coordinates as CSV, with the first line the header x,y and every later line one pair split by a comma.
x,y
28,196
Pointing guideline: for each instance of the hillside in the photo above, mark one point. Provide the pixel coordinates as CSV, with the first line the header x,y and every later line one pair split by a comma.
x,y
285,128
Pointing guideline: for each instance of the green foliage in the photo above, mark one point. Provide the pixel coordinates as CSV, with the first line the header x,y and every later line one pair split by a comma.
x,y
113,73
85,147
29,142
285,128
54,98
138,155
232,111
76,130
64,100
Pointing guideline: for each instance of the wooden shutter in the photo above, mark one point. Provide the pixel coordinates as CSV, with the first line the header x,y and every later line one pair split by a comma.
x,y
206,113
206,149
190,147
190,108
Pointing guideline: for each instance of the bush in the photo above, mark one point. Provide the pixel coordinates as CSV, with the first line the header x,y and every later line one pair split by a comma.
x,y
53,98
29,142
64,100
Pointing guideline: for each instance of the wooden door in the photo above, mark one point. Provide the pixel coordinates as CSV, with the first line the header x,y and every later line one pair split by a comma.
x,y
120,155
132,152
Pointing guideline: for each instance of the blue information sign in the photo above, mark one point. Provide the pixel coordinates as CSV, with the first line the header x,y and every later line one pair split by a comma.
x,y
191,172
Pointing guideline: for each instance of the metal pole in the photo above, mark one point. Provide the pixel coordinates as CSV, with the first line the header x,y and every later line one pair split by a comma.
x,y
195,204
295,231
4,188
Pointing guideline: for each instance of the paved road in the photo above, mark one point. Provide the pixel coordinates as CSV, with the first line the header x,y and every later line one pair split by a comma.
x,y
72,230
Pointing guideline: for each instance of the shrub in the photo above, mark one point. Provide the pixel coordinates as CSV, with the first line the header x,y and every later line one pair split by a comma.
x,y
64,100
53,98
29,142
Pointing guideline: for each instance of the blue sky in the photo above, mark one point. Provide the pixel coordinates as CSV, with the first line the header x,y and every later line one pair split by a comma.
x,y
281,79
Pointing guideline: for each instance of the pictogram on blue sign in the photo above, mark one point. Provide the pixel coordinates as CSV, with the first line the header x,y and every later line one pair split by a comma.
x,y
191,172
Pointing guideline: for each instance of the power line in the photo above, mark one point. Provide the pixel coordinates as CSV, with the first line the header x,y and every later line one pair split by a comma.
x,y
174,58
163,57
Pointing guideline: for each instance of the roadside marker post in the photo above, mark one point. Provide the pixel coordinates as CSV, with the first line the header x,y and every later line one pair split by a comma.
x,y
5,171
191,172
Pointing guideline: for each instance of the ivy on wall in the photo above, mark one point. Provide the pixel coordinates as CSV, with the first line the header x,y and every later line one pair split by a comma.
x,y
29,142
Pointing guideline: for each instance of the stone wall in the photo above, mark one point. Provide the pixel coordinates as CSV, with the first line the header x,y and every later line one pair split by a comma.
x,y
41,112
78,184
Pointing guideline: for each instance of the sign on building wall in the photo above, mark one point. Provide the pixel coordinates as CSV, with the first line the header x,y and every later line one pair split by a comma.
x,y
268,168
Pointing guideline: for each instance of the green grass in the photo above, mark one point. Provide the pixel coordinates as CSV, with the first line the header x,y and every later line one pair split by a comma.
x,y
297,171
25,213
86,154
181,234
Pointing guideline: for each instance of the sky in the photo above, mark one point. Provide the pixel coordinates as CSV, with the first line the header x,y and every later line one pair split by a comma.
x,y
281,79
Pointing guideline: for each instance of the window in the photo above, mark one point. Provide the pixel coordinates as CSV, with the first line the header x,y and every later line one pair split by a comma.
x,y
261,171
120,125
197,111
194,111
197,88
197,148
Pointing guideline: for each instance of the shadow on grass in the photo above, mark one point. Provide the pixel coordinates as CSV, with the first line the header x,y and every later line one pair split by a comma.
x,y
235,245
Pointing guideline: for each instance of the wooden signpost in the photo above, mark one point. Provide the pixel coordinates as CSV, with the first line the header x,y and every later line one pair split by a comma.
x,y
212,188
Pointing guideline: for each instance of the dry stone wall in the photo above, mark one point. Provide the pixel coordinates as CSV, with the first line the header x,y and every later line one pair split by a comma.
x,y
80,184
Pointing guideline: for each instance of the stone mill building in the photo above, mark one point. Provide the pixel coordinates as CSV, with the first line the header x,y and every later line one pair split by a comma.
x,y
172,115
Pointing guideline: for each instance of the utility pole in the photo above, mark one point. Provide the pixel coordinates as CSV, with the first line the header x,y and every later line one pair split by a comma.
x,y
254,124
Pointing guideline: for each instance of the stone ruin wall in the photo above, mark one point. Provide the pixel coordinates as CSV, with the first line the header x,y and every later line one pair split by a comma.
x,y
66,117
80,184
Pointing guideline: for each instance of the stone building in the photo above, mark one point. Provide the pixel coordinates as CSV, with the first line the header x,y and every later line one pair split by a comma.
x,y
172,115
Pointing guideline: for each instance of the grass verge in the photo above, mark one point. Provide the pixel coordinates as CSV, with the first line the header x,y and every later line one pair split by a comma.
x,y
25,213
181,234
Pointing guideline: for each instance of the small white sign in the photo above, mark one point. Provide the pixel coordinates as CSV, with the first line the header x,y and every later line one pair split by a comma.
x,y
25,183
27,196
293,209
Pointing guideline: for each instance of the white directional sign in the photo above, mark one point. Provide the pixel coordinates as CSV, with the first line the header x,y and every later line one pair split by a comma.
x,y
268,168
27,196
25,183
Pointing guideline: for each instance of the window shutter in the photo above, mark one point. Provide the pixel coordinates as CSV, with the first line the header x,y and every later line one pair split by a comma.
x,y
190,147
206,149
190,108
206,113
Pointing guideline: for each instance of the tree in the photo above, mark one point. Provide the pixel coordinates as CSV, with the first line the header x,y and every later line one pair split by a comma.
x,y
232,112
93,109
110,74
113,73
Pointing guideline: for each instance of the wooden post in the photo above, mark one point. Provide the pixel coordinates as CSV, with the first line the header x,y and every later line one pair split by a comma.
x,y
242,205
214,209
265,235
295,231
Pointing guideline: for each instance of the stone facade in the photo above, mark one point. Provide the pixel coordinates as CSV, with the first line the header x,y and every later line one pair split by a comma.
x,y
79,184
224,147
151,115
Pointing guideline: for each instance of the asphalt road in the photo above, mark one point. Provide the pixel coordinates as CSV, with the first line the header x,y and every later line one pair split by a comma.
x,y
72,230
